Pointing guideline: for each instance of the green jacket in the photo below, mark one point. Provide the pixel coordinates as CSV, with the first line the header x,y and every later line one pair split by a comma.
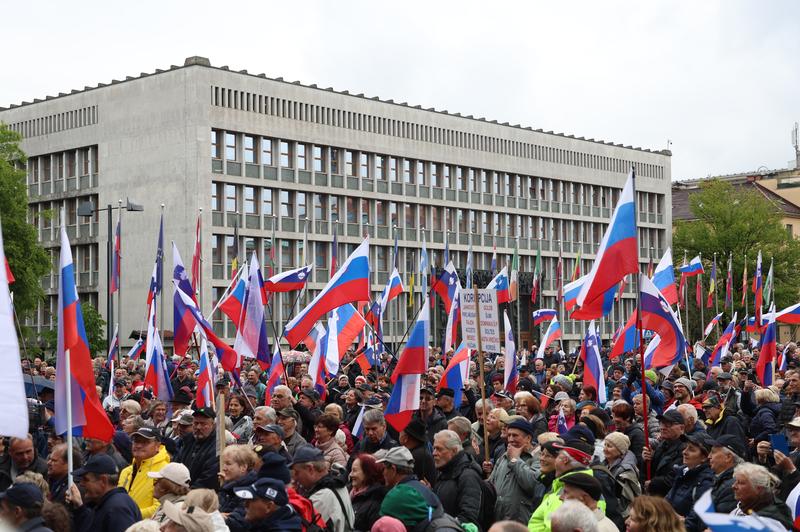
x,y
540,520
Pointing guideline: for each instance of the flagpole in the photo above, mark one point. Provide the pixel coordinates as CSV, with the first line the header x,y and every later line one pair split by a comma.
x,y
199,279
396,316
119,267
744,296
702,311
640,332
68,364
716,297
519,327
685,296
161,295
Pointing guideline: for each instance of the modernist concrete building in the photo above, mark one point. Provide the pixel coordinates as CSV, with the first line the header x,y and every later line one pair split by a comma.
x,y
280,159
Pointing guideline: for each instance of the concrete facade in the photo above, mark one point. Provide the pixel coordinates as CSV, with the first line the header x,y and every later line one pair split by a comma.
x,y
149,139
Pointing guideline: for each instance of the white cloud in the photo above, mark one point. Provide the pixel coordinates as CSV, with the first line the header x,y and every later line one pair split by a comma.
x,y
718,78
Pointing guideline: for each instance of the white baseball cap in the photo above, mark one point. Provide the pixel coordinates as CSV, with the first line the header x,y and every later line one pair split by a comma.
x,y
177,473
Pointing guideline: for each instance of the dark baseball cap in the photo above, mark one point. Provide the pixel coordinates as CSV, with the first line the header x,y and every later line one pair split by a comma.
x,y
288,412
584,482
700,438
23,494
265,488
99,464
732,443
205,411
446,392
147,432
306,454
671,416
272,427
311,393
521,424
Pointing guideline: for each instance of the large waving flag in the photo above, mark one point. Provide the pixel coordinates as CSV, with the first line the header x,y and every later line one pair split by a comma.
x,y
74,363
456,374
500,285
592,363
407,375
543,314
627,338
156,373
349,324
658,317
183,323
206,381
695,267
289,281
510,373
727,339
571,291
592,310
115,260
719,522
789,315
232,299
225,354
618,254
768,352
553,333
350,284
251,334
446,286
14,414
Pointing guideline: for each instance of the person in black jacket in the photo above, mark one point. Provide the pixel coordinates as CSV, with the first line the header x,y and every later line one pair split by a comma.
x,y
21,506
694,476
366,491
267,506
624,414
375,436
199,451
719,420
459,484
726,453
791,395
665,454
107,508
413,438
433,419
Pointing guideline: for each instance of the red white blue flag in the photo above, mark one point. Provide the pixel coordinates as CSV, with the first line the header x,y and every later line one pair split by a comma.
x,y
664,278
289,281
156,373
183,323
618,254
543,314
695,267
233,299
553,333
657,316
349,284
768,352
453,319
592,363
74,362
275,373
251,334
510,373
446,285
206,381
407,375
724,343
500,285
456,374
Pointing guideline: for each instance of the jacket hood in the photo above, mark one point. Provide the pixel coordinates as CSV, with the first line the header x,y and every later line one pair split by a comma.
x,y
246,480
774,407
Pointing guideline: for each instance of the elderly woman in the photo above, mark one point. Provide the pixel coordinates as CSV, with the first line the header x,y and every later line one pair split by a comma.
x,y
238,469
366,490
158,414
621,462
171,484
696,477
764,413
324,434
568,406
241,422
754,489
336,410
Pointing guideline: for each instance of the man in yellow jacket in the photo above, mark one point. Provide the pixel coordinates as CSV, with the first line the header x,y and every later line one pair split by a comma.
x,y
149,456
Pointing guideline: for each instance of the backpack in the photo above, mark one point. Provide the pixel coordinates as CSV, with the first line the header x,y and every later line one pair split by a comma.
x,y
444,522
488,500
310,519
612,493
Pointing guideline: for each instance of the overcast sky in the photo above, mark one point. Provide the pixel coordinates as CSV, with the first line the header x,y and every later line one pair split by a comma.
x,y
719,79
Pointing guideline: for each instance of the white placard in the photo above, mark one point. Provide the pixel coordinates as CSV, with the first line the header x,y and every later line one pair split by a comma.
x,y
490,319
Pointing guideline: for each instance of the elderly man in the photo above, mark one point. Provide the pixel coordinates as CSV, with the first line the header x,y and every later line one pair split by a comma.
x,y
23,458
58,471
719,420
459,484
258,386
398,468
289,420
327,491
199,450
267,506
691,421
281,399
100,505
21,507
791,395
754,489
433,419
445,403
666,454
515,475
148,456
375,435
587,490
573,516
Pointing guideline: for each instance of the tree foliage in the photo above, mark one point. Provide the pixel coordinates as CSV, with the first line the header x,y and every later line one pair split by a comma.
x,y
26,257
740,221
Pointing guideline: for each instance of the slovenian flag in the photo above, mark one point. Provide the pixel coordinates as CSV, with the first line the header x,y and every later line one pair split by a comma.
x,y
407,375
553,333
711,324
500,285
727,338
456,374
543,314
695,267
627,338
510,373
156,374
592,363
767,354
658,317
183,323
252,340
349,284
289,281
664,278
617,255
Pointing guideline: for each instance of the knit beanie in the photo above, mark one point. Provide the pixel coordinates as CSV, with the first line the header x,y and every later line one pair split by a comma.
x,y
619,440
406,504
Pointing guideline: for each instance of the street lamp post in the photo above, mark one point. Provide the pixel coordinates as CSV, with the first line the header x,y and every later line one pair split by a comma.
x,y
87,210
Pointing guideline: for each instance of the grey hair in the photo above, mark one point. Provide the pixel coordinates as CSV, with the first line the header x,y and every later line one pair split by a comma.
x,y
282,388
689,412
757,475
374,416
450,439
573,515
735,457
461,426
268,412
485,403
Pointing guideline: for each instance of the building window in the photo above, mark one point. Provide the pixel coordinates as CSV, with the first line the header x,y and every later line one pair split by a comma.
x,y
420,172
392,169
250,204
249,149
485,182
302,207
266,151
348,163
447,180
301,156
230,146
334,204
286,159
287,257
216,249
70,164
473,182
410,215
407,171
216,192
215,144
335,161
435,175
321,256
437,218
266,202
230,198
380,213
393,213
462,221
379,162
320,207
319,163
363,162
460,184
287,203
46,176
383,259
366,213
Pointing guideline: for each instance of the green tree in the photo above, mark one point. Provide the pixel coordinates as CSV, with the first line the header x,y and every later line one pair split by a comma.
x,y
94,324
739,221
27,259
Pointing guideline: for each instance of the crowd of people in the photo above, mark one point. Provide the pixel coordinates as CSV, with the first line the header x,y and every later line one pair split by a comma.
x,y
548,457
